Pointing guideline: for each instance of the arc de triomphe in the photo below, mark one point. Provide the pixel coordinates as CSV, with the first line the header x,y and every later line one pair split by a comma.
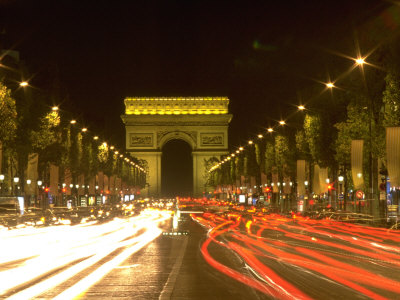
x,y
202,122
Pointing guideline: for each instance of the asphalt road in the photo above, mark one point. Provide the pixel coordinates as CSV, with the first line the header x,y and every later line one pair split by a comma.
x,y
224,256
172,267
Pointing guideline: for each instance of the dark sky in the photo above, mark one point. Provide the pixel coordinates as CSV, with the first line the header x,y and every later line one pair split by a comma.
x,y
258,53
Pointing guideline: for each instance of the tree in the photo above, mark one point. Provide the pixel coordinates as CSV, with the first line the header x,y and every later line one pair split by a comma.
x,y
269,156
8,121
252,168
47,142
8,117
391,100
312,132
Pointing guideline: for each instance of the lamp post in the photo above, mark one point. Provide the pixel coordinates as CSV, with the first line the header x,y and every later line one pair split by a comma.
x,y
371,197
307,195
39,184
342,201
28,182
77,194
1,183
69,202
16,180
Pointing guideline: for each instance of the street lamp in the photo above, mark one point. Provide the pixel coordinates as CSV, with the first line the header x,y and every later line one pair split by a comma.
x,y
16,180
341,194
39,184
330,85
1,183
360,61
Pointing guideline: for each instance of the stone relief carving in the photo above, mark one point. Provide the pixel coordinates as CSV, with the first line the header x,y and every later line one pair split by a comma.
x,y
141,140
212,139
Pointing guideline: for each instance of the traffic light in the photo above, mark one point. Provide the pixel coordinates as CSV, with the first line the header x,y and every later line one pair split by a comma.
x,y
267,189
46,189
330,187
64,190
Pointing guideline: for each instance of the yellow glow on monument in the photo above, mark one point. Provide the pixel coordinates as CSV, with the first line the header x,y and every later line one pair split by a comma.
x,y
176,106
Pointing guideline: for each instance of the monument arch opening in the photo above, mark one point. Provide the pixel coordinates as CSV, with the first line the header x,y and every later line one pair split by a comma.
x,y
201,122
176,169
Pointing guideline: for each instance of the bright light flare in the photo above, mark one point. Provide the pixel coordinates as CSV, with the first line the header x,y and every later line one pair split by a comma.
x,y
330,85
360,61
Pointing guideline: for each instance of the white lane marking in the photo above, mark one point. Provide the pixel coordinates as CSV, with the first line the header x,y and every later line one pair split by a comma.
x,y
170,284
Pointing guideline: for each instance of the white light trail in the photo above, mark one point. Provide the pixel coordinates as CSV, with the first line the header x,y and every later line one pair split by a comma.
x,y
62,245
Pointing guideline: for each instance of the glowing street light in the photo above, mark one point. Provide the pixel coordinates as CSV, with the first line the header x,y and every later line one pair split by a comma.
x,y
301,107
360,61
282,122
330,85
84,129
23,83
96,137
73,121
260,136
54,108
270,129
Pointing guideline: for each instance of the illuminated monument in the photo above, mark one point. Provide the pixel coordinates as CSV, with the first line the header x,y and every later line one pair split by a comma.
x,y
202,122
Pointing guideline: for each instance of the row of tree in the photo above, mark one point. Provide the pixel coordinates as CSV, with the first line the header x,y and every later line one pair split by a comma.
x,y
361,104
32,128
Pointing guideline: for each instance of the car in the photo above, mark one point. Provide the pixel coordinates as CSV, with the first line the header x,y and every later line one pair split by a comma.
x,y
11,211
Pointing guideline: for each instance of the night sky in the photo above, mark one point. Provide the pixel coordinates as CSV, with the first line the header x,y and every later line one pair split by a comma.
x,y
258,53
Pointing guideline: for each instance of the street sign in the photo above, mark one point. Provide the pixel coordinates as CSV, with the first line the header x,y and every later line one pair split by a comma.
x,y
360,194
341,196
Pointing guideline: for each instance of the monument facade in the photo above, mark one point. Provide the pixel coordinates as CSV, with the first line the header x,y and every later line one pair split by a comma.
x,y
151,122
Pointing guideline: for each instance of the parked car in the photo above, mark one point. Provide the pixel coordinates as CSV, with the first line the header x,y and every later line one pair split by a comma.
x,y
11,211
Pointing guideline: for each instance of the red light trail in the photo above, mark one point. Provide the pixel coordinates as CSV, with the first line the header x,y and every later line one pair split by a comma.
x,y
300,258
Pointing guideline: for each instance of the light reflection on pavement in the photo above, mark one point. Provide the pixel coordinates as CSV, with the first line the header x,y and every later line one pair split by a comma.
x,y
35,260
303,258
